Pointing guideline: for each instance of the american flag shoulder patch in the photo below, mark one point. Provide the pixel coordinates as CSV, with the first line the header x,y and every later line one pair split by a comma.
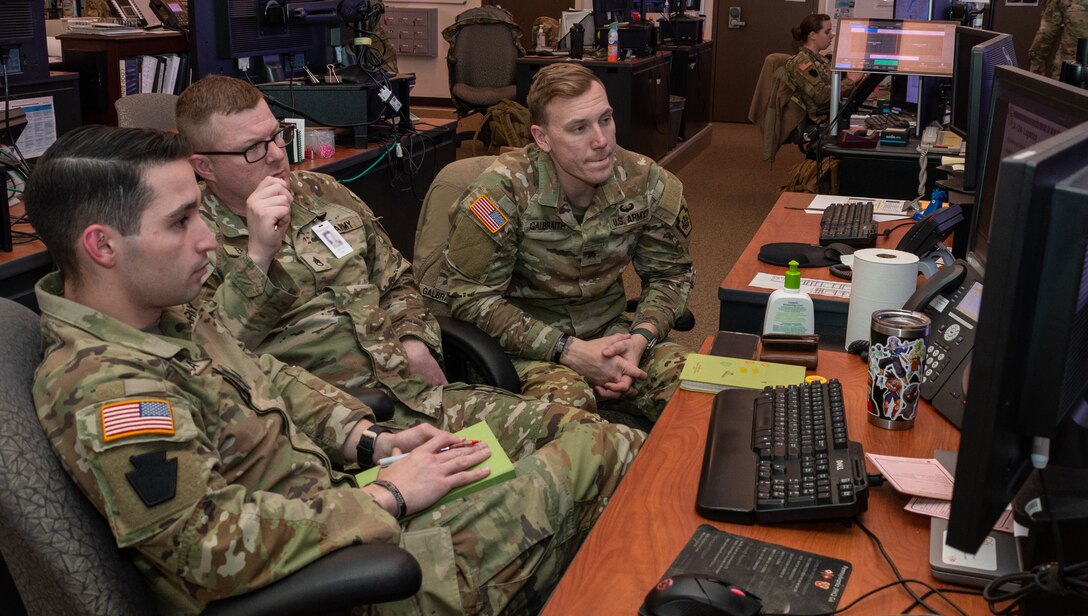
x,y
133,417
491,217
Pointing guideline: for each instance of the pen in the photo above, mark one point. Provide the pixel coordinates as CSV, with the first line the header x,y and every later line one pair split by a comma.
x,y
386,461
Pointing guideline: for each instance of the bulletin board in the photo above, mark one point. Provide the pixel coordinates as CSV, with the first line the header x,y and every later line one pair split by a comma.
x,y
865,9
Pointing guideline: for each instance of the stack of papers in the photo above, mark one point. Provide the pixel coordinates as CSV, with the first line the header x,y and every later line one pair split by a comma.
x,y
929,483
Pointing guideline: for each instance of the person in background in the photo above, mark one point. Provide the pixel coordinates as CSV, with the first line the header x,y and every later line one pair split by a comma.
x,y
214,467
1062,23
809,71
540,241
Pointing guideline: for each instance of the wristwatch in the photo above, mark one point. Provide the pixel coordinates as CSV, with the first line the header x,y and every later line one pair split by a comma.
x,y
651,339
364,451
560,347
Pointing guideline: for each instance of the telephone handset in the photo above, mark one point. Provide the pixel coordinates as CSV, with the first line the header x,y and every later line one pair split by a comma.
x,y
951,299
174,14
128,11
926,236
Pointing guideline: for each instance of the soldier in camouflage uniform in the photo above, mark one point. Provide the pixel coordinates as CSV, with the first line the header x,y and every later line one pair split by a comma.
x,y
1062,23
213,466
808,72
539,243
282,286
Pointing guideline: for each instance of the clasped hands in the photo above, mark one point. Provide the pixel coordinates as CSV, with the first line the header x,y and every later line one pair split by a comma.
x,y
610,364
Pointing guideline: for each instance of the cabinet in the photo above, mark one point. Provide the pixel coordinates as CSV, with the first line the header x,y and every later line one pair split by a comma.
x,y
638,90
692,77
97,60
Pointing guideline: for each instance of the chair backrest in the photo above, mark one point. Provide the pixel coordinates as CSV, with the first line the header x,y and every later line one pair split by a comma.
x,y
764,85
433,228
59,550
147,110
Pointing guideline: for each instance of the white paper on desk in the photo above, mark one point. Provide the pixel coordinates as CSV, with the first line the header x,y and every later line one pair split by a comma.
x,y
883,210
914,476
936,508
811,286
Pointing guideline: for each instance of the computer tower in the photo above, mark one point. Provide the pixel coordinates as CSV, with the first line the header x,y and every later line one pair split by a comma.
x,y
681,30
22,41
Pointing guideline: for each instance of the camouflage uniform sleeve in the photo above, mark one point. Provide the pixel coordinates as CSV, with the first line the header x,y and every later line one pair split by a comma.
x,y
663,256
806,80
392,274
245,299
219,538
1046,38
481,264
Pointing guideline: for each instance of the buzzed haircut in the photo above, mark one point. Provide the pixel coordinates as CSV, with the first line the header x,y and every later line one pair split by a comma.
x,y
94,175
205,98
557,81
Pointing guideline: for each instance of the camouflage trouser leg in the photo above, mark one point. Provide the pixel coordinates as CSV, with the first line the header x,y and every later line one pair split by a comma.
x,y
555,382
521,424
503,550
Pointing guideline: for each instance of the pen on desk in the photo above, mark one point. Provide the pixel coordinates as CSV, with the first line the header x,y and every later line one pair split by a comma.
x,y
386,461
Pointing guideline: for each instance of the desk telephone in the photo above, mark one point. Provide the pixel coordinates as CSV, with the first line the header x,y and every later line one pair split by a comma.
x,y
128,11
174,14
951,299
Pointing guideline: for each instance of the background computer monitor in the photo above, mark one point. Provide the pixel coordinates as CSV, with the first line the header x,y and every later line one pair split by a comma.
x,y
604,11
894,46
1024,109
568,19
978,54
1029,366
226,31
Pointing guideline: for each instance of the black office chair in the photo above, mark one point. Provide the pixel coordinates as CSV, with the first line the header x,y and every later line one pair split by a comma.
x,y
482,60
62,555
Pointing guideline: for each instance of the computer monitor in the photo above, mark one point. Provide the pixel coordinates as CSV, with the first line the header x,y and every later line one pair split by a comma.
x,y
236,38
568,19
921,9
22,41
1024,109
978,53
605,11
1029,367
894,46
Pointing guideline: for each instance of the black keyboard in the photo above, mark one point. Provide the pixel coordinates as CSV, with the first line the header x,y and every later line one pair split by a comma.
x,y
781,455
848,223
886,120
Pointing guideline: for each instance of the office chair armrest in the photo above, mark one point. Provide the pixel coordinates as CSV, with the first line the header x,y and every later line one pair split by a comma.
x,y
468,349
684,323
376,399
349,577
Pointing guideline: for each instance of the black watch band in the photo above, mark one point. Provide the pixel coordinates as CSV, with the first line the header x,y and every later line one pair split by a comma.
x,y
364,451
651,339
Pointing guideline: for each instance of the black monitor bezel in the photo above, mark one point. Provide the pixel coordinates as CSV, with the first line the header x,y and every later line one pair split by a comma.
x,y
962,77
1010,401
1011,85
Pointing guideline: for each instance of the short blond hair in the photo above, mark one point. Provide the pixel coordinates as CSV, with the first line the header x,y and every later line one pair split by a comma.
x,y
205,98
563,80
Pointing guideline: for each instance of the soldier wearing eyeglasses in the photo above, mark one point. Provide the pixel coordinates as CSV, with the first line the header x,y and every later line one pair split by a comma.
x,y
304,272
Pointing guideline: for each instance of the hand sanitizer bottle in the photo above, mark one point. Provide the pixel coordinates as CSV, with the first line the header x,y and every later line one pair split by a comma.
x,y
789,310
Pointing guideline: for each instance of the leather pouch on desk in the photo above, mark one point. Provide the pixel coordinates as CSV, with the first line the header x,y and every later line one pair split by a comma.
x,y
796,349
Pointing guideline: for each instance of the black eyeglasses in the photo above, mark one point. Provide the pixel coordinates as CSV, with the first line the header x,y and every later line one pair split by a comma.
x,y
256,152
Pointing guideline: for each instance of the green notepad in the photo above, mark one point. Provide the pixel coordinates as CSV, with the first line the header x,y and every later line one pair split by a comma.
x,y
711,374
501,466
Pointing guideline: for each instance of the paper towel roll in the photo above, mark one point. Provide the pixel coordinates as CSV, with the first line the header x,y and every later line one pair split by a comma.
x,y
882,279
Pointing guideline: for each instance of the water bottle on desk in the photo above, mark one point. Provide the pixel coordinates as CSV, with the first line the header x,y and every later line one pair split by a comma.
x,y
614,42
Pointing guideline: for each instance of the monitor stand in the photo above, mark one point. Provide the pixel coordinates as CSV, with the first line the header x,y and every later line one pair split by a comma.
x,y
998,555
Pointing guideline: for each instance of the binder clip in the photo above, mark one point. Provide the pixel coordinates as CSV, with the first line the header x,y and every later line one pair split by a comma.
x,y
310,77
330,74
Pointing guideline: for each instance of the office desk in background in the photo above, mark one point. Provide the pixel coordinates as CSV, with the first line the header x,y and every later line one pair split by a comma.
x,y
886,171
652,514
397,206
638,90
742,307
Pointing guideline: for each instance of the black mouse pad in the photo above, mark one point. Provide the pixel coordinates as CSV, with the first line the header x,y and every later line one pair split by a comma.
x,y
788,581
806,255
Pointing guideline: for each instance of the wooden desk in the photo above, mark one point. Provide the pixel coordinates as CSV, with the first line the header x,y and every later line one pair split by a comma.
x,y
886,171
652,514
742,306
24,265
96,58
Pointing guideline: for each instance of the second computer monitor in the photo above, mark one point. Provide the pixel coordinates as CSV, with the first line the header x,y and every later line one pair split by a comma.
x,y
895,46
978,54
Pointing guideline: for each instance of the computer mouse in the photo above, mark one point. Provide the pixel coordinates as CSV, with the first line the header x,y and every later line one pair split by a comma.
x,y
691,594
